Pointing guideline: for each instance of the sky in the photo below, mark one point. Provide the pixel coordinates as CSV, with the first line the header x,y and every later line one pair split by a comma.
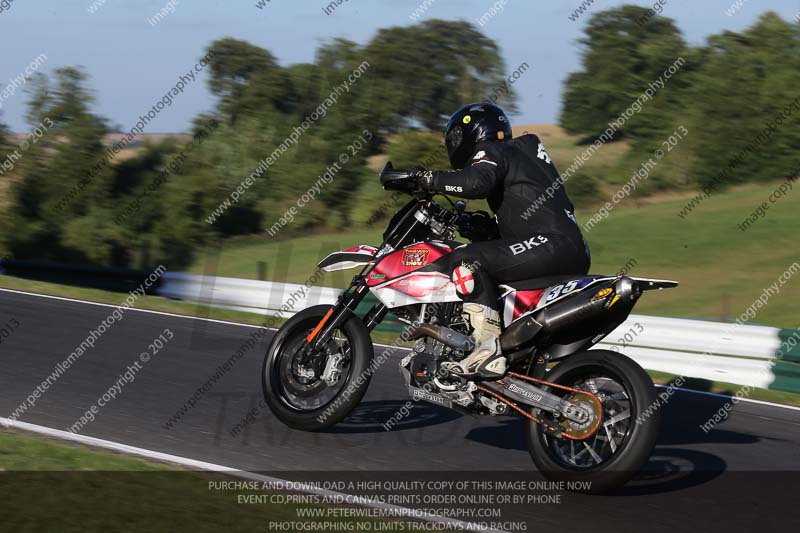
x,y
133,63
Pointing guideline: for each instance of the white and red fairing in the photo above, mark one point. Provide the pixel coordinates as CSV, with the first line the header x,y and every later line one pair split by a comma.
x,y
395,280
349,258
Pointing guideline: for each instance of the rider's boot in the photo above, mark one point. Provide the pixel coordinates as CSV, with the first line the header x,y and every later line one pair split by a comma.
x,y
486,360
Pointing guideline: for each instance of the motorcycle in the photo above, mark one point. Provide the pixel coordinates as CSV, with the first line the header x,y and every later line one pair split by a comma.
x,y
582,406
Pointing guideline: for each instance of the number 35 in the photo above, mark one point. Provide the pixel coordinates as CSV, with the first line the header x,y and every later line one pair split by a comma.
x,y
561,290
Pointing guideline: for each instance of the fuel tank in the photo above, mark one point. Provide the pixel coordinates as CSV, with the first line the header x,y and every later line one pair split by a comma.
x,y
407,260
401,278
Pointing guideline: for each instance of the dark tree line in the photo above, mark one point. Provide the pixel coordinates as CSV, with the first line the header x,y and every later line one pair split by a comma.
x,y
259,104
728,93
725,94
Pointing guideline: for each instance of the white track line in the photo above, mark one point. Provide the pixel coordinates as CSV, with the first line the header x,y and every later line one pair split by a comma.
x,y
392,511
704,393
728,397
190,317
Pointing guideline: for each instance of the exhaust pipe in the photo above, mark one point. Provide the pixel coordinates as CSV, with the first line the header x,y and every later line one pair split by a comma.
x,y
582,307
446,336
588,305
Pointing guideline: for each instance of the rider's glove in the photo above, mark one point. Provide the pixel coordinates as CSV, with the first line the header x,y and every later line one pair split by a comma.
x,y
424,179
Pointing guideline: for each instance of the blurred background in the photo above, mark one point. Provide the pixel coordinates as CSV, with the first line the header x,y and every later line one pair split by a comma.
x,y
127,128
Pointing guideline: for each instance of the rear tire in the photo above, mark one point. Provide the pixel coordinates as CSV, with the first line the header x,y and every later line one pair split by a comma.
x,y
352,385
633,449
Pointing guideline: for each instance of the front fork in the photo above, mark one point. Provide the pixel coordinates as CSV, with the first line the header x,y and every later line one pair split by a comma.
x,y
342,311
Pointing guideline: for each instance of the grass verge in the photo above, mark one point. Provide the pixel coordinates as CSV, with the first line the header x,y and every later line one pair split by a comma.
x,y
50,485
721,269
730,389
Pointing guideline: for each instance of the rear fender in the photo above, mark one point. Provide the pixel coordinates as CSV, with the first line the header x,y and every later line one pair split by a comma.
x,y
647,284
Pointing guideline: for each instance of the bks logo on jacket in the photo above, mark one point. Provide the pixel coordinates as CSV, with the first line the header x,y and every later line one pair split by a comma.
x,y
415,256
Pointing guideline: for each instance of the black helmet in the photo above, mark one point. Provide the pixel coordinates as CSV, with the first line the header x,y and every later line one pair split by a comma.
x,y
469,126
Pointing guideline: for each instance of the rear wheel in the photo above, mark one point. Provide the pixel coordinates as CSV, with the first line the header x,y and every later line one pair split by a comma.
x,y
294,388
625,438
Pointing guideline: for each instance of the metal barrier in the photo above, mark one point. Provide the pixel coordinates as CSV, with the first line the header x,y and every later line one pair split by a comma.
x,y
756,356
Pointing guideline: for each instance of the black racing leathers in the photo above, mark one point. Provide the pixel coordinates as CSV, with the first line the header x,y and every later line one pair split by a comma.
x,y
538,232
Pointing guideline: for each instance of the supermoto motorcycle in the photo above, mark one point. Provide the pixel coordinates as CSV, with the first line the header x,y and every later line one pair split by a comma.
x,y
582,406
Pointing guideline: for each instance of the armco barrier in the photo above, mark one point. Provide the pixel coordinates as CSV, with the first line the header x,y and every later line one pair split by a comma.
x,y
262,297
756,356
245,294
730,353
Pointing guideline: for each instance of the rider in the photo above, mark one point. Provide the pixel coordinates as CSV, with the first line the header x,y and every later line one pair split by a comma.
x,y
536,234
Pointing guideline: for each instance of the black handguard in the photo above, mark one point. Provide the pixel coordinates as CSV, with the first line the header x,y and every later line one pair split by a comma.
x,y
412,181
393,179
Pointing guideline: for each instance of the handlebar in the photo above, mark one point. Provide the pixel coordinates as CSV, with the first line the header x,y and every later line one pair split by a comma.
x,y
472,225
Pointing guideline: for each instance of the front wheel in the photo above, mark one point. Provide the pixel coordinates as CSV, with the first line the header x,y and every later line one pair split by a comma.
x,y
294,388
627,433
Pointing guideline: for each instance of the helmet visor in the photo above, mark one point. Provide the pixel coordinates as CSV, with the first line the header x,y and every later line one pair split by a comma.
x,y
454,138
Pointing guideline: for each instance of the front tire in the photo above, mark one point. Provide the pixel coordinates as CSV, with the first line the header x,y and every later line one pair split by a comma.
x,y
309,404
626,436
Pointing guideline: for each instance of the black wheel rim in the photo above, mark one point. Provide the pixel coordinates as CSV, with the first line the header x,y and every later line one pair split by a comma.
x,y
289,377
614,431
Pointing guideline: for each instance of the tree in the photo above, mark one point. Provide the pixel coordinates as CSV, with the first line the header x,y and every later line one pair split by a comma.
x,y
52,194
419,148
72,199
245,77
5,150
425,72
621,59
5,142
747,81
39,98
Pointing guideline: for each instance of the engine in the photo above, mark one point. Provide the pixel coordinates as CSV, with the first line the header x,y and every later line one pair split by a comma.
x,y
422,367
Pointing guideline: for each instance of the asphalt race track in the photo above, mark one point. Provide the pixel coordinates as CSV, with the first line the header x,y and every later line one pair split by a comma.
x,y
738,477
